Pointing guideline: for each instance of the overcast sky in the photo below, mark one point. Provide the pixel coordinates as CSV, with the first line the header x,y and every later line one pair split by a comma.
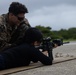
x,y
54,13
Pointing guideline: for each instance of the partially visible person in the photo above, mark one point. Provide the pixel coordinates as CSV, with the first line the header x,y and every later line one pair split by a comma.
x,y
23,54
13,24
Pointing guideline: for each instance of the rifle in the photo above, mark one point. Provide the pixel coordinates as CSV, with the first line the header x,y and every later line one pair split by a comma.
x,y
48,45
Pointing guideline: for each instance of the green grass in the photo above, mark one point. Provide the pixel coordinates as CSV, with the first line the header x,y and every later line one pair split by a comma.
x,y
69,40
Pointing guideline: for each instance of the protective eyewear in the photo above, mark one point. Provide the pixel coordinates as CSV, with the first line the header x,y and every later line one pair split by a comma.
x,y
20,18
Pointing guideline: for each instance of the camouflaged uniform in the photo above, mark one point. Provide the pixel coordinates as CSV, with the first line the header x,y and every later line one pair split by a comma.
x,y
6,31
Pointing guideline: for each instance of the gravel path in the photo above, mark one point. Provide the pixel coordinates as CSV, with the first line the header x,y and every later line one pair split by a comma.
x,y
65,68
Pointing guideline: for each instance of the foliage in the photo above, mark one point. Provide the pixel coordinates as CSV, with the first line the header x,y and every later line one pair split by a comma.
x,y
45,30
62,33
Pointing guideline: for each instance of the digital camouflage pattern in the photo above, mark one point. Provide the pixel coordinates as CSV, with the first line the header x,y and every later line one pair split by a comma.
x,y
6,31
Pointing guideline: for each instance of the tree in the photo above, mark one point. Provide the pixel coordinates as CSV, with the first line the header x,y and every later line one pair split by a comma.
x,y
45,30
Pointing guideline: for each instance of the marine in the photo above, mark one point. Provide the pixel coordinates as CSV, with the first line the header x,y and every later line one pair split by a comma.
x,y
13,24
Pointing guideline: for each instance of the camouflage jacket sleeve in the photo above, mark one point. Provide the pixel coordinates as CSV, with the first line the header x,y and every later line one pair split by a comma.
x,y
24,26
20,31
2,32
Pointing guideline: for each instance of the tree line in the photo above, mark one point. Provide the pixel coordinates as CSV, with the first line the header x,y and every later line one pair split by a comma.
x,y
62,33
